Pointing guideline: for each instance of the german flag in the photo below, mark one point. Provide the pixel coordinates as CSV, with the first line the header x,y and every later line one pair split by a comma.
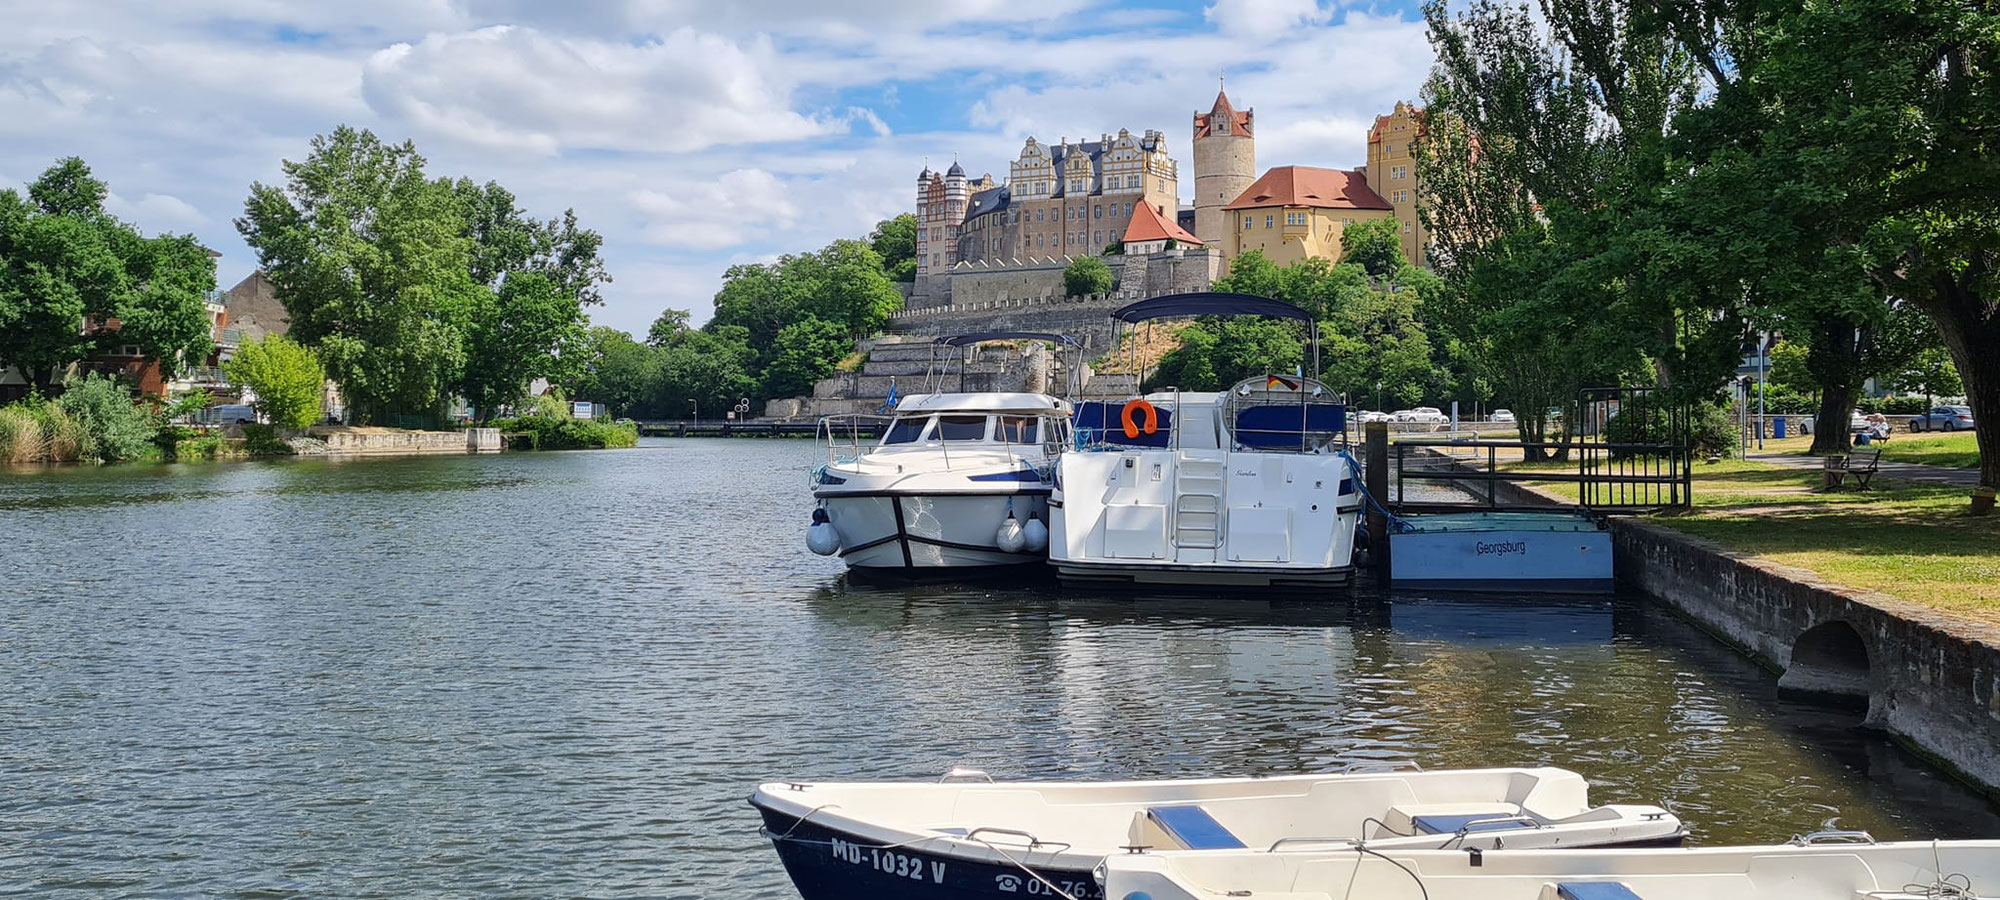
x,y
1277,383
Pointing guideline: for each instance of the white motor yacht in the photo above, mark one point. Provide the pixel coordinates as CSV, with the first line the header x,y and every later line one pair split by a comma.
x,y
1822,866
966,837
1248,487
957,481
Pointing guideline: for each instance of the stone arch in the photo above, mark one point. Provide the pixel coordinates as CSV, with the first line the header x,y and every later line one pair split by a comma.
x,y
1830,660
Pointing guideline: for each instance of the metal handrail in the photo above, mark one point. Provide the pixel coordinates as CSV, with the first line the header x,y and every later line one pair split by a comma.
x,y
1391,766
1831,837
1311,840
1033,841
1502,820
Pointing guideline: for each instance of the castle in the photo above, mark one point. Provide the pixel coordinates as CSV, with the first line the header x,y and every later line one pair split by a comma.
x,y
1120,196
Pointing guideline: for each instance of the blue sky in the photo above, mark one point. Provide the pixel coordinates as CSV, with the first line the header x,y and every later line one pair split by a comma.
x,y
694,134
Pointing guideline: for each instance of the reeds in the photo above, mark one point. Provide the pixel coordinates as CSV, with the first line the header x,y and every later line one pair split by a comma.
x,y
34,432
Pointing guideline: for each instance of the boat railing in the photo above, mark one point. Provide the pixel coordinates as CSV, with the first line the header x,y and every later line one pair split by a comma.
x,y
844,434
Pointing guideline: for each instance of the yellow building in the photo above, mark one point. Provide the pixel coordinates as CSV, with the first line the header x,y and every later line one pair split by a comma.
x,y
1392,172
1296,212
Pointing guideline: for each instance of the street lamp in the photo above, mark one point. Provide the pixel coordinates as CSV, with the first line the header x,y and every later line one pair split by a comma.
x,y
696,407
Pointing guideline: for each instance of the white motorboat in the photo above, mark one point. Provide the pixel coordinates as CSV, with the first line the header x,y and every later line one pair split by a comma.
x,y
957,481
1248,487
1825,866
967,837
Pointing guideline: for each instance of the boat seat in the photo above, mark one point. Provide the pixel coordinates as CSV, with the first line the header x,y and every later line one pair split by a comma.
x,y
1595,890
1193,828
1455,824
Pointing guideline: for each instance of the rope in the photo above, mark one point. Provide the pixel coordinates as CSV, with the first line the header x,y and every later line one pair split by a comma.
x,y
1955,886
1396,523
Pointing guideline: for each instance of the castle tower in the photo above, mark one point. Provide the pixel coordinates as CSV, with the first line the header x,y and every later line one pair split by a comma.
x,y
955,196
931,220
1225,164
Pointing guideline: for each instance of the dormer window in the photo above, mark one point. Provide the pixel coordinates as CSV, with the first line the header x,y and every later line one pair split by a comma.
x,y
1222,125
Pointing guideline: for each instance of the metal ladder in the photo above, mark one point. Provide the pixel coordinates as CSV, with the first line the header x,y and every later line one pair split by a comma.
x,y
1197,504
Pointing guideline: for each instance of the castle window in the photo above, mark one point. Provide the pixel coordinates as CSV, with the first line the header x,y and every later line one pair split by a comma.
x,y
1398,172
1097,212
1038,215
1269,221
1246,223
1222,125
1406,228
1096,237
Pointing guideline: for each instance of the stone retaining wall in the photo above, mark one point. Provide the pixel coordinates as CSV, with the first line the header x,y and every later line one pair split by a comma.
x,y
1931,679
395,442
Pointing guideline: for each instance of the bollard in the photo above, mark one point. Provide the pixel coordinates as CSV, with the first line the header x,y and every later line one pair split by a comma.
x,y
1375,443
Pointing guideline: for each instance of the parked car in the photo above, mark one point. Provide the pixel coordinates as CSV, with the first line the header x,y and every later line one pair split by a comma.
x,y
1503,416
1944,418
229,414
1364,417
1857,421
1422,415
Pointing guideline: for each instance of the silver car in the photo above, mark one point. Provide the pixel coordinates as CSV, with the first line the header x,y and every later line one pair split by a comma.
x,y
1944,418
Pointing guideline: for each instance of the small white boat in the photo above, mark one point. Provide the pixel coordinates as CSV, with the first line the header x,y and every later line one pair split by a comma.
x,y
960,839
1248,487
958,481
1826,866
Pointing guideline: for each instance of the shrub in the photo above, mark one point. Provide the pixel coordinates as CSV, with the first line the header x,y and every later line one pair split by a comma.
x,y
113,427
263,440
286,377
1087,275
20,434
1711,430
571,434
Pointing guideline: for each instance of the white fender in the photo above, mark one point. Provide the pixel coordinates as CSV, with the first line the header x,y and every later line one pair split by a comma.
x,y
1035,534
821,537
1010,538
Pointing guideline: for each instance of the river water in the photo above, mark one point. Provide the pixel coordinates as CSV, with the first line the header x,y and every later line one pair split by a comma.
x,y
560,674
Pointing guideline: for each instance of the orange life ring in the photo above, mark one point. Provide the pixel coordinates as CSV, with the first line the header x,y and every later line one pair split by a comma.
x,y
1139,406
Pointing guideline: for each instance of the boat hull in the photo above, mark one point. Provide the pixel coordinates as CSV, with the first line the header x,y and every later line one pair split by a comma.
x,y
901,534
830,864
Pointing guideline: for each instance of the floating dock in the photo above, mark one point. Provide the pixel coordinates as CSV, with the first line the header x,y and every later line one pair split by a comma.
x,y
1563,551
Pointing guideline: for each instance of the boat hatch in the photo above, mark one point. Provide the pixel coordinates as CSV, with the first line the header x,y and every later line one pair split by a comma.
x,y
1192,828
1595,890
1468,824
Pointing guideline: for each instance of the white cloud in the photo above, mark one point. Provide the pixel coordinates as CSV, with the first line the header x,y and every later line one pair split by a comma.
x,y
718,213
1265,17
154,213
515,88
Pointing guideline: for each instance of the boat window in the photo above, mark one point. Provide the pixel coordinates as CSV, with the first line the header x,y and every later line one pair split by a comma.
x,y
1020,429
905,430
961,428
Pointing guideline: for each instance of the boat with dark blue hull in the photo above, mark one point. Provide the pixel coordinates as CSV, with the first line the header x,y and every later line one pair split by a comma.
x,y
960,839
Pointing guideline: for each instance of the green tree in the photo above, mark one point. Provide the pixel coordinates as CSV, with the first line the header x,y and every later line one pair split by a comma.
x,y
1374,246
65,261
1215,354
1931,371
286,378
714,368
412,289
530,328
620,373
805,353
374,267
852,289
1087,275
895,240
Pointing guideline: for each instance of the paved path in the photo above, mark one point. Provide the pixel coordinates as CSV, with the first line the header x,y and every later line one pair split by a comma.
x,y
1901,471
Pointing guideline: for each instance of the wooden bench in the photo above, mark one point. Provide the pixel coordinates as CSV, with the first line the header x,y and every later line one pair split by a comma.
x,y
1861,464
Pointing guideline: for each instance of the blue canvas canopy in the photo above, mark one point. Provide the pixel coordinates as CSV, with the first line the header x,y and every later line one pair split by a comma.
x,y
1208,303
966,340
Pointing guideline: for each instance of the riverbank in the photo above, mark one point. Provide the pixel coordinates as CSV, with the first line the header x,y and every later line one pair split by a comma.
x,y
1890,597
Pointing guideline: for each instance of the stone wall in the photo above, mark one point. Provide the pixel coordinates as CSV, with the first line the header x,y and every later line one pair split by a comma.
x,y
342,440
1931,679
1029,295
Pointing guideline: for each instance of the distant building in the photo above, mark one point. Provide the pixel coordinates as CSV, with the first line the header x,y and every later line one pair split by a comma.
x,y
1299,212
1392,172
1151,232
1062,199
1225,165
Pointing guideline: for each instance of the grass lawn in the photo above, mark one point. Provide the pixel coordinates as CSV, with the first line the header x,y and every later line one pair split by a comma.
x,y
1913,542
1952,451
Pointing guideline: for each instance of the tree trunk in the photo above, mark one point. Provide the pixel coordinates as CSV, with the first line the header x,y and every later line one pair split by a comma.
x,y
1836,414
1970,326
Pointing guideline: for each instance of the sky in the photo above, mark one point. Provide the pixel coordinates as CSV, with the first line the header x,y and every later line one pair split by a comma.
x,y
693,134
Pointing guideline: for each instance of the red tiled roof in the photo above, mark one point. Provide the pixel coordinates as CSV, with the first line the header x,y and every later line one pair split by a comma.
x,y
1148,225
1241,120
1307,186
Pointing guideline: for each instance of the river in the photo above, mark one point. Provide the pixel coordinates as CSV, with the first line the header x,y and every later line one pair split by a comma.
x,y
560,674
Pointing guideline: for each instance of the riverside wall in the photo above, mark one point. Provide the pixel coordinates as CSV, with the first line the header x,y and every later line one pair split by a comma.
x,y
1929,679
384,443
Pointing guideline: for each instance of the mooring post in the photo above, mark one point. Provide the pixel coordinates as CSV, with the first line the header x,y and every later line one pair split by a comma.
x,y
1375,444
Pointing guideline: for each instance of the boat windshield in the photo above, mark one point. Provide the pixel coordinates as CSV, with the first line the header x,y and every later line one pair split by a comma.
x,y
961,428
906,430
1020,429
